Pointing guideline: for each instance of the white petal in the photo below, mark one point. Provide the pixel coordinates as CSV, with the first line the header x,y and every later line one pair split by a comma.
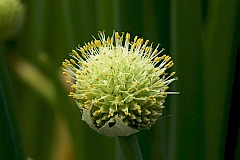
x,y
119,129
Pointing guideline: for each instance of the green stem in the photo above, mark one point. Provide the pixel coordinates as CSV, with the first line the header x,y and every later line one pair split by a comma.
x,y
129,148
11,145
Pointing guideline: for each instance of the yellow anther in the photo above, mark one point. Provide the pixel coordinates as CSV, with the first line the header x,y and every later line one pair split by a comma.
x,y
146,42
72,61
139,110
116,98
137,106
134,45
89,46
150,49
73,87
140,41
74,52
166,66
108,41
164,94
160,85
78,57
93,44
162,72
97,43
155,52
128,37
135,39
151,97
67,61
64,65
156,69
74,70
167,58
87,70
71,94
156,59
96,113
166,88
97,103
172,73
120,40
83,52
117,35
97,79
65,73
137,83
147,49
171,64
83,49
163,56
111,114
68,82
148,76
75,97
129,89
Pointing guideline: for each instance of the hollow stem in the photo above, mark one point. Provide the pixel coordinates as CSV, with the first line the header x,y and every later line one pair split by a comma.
x,y
129,148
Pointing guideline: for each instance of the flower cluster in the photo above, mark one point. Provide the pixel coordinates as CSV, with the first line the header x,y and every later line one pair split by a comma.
x,y
120,86
11,17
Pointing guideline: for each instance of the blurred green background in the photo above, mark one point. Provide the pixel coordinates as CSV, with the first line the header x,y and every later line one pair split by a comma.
x,y
40,121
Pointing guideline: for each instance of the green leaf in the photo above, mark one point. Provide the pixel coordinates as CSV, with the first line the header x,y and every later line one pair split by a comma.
x,y
11,146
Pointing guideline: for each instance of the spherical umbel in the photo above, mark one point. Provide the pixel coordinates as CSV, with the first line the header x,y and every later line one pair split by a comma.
x,y
11,17
120,86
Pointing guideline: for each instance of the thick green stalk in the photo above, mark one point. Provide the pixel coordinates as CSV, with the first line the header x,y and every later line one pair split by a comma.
x,y
187,128
11,146
219,58
129,148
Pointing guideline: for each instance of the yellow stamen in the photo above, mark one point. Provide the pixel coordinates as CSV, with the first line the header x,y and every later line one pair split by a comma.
x,y
146,42
172,73
166,88
68,82
117,35
135,39
65,73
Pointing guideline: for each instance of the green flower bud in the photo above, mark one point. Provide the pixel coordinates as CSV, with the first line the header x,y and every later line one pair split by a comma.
x,y
11,17
119,86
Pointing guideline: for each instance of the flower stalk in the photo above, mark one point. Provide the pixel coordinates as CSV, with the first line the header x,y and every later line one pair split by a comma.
x,y
11,145
129,147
